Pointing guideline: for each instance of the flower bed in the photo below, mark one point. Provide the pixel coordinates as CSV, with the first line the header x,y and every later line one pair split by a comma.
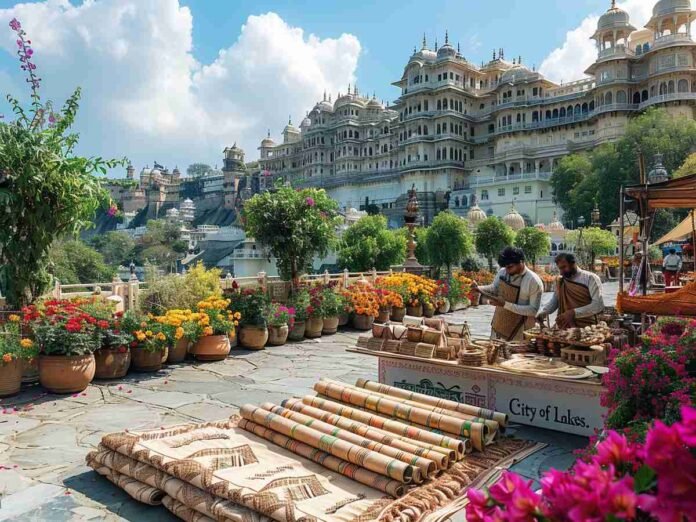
x,y
414,289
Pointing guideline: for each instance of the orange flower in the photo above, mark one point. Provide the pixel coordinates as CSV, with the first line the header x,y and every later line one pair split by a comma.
x,y
14,318
7,358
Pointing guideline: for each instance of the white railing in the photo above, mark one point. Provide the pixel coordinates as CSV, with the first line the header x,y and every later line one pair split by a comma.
x,y
668,97
671,38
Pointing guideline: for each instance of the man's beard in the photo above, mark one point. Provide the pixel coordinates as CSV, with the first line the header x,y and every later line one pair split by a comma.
x,y
571,273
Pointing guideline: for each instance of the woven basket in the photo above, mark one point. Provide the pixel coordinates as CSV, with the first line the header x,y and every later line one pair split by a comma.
x,y
432,337
414,334
425,350
408,348
375,344
391,346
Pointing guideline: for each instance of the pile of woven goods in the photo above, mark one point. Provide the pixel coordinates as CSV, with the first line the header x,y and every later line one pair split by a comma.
x,y
363,452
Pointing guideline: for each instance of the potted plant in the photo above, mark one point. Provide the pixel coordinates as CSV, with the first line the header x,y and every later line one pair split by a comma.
x,y
67,339
280,321
315,320
300,302
442,297
173,327
149,342
428,307
112,358
388,300
211,327
331,306
252,305
13,350
365,305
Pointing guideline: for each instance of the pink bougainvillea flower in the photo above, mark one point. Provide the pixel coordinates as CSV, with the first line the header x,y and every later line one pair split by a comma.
x,y
687,427
15,25
614,449
309,201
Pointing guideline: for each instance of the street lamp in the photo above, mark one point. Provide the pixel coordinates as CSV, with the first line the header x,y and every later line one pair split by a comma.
x,y
595,216
580,249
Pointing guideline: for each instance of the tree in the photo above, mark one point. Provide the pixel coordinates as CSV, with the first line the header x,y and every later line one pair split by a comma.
x,y
294,225
569,172
116,247
197,170
687,168
595,242
160,245
534,242
46,190
448,240
74,262
492,235
368,244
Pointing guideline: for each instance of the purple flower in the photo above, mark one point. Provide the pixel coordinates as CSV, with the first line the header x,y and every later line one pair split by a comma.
x,y
112,211
309,201
15,25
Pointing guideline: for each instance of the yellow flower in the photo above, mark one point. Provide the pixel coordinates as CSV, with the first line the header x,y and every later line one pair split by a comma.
x,y
14,318
26,343
148,333
7,358
161,337
179,333
207,331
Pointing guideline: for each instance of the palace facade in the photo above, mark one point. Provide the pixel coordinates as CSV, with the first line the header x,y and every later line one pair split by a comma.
x,y
487,135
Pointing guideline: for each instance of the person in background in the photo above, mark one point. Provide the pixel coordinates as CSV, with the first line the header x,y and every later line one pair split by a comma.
x,y
672,265
638,276
519,296
577,297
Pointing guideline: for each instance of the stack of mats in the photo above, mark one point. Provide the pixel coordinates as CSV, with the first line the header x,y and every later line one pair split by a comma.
x,y
353,453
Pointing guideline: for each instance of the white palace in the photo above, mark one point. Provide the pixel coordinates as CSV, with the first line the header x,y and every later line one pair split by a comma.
x,y
488,135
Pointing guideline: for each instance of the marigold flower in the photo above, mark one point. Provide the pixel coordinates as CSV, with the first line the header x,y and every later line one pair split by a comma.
x,y
14,318
26,343
7,357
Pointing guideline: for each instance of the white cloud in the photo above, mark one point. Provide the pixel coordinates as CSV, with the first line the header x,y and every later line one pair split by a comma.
x,y
568,62
147,97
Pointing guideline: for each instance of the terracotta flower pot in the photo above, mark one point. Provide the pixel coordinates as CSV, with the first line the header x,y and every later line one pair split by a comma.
x,y
66,374
428,310
177,353
398,313
363,322
10,377
144,361
330,325
278,335
30,370
165,354
384,314
253,337
111,363
313,327
444,307
415,311
211,348
343,319
297,332
234,339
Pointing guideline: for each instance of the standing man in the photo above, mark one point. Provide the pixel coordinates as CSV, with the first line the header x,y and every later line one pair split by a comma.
x,y
577,297
519,296
672,265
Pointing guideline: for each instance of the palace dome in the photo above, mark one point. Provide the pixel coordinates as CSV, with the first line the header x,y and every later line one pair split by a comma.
x,y
267,142
665,7
614,18
540,226
446,51
291,128
555,225
305,123
514,219
374,104
475,215
518,73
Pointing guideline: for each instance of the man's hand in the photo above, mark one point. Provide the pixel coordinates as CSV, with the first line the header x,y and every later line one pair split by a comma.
x,y
541,317
566,319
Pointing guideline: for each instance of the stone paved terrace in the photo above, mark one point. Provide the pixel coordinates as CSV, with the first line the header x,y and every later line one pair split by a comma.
x,y
44,438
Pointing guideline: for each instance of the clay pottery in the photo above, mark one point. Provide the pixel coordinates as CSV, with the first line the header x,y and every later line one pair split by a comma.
x,y
330,325
111,363
144,361
428,310
313,326
177,353
416,311
10,377
66,373
444,307
384,314
363,322
398,313
30,370
211,348
278,335
343,319
297,332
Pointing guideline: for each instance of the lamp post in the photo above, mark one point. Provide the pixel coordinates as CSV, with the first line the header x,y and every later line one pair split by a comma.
x,y
595,216
581,246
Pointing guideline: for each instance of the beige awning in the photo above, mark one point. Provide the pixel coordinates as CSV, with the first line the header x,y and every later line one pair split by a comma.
x,y
679,233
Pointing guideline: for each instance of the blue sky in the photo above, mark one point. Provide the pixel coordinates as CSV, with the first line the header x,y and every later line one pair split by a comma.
x,y
178,80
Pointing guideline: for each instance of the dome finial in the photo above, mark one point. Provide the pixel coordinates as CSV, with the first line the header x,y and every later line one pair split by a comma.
x,y
289,119
425,43
349,88
324,95
613,4
436,44
268,134
446,37
493,54
458,50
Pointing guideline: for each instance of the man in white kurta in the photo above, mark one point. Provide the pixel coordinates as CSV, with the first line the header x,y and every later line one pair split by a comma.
x,y
519,292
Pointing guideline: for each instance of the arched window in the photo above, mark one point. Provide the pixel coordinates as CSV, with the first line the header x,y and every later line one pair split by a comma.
x,y
644,95
437,154
585,108
621,97
535,116
608,98
357,134
652,91
555,114
592,106
438,129
563,112
663,88
683,86
670,87
444,104
646,47
569,110
519,117
491,128
548,115
636,97
439,105
577,110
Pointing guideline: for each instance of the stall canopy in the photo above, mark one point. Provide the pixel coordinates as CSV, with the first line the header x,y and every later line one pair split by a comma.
x,y
674,193
681,232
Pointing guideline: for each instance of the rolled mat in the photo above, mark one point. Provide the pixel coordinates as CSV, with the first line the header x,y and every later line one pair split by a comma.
x,y
136,489
416,447
362,475
500,418
184,512
442,443
476,432
426,468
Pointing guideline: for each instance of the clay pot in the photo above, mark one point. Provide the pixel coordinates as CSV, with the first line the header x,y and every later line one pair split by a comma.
x,y
297,332
111,364
313,327
10,377
415,311
363,322
234,339
330,325
278,335
384,314
177,353
30,370
66,374
428,310
211,348
444,307
398,313
343,319
253,337
144,361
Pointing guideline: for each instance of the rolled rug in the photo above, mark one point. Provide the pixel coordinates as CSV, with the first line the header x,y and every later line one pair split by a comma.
x,y
136,489
362,475
476,432
500,418
426,468
422,449
371,460
441,443
183,511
